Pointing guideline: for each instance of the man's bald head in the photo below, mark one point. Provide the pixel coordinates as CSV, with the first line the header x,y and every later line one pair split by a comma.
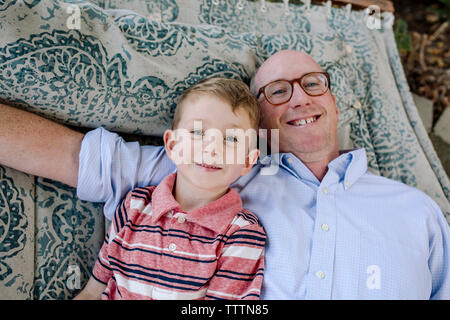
x,y
271,66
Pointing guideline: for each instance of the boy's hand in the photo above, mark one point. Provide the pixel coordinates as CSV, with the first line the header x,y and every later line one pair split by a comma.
x,y
92,291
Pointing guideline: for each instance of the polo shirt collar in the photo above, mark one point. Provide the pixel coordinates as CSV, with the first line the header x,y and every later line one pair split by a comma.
x,y
216,215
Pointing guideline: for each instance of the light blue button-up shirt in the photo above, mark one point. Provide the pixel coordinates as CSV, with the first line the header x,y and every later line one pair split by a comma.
x,y
353,235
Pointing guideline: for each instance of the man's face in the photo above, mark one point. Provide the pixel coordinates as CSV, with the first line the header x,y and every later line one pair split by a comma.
x,y
296,136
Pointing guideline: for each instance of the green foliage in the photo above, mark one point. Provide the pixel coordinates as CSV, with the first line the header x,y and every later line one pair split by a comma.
x,y
443,12
402,37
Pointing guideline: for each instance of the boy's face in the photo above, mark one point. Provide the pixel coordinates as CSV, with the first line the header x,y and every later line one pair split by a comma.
x,y
209,145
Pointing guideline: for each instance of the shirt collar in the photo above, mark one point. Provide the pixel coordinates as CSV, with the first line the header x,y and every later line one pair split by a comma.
x,y
349,166
216,215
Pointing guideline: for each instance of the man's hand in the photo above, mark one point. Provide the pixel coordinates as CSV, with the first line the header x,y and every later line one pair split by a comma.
x,y
38,146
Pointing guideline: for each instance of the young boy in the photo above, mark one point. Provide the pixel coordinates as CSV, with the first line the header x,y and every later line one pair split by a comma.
x,y
189,237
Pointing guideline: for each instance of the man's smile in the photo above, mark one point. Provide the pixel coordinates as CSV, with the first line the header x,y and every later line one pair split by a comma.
x,y
301,122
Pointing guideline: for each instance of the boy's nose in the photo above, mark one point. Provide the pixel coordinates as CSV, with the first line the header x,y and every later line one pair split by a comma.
x,y
212,147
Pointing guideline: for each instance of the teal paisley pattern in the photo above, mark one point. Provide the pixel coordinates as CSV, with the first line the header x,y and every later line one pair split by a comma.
x,y
13,222
69,233
125,69
59,71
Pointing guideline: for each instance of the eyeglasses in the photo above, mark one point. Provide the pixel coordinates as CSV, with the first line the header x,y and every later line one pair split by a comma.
x,y
280,91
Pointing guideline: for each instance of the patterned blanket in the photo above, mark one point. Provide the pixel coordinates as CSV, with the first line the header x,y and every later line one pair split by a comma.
x,y
123,65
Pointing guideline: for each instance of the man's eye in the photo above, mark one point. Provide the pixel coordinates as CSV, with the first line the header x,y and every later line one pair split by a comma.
x,y
278,92
231,139
311,84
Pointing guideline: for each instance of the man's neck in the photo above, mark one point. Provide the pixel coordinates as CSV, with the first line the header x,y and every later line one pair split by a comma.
x,y
317,163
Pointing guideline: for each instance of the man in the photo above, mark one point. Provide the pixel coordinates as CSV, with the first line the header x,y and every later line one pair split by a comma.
x,y
334,230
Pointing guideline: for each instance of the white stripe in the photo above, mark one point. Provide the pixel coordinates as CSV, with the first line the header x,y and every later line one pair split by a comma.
x,y
148,209
133,285
105,261
164,294
242,252
112,233
155,292
229,295
136,204
166,249
241,222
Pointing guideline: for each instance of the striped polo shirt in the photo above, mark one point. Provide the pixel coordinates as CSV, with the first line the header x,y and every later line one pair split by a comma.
x,y
155,250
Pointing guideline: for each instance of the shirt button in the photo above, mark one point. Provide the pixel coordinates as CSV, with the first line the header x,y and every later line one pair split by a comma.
x,y
347,184
325,190
172,247
290,160
325,227
181,219
320,274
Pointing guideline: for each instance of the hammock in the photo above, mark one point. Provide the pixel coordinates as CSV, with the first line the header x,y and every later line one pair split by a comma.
x,y
122,64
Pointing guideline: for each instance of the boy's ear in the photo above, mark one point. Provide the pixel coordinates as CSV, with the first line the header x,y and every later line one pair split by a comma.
x,y
169,142
250,160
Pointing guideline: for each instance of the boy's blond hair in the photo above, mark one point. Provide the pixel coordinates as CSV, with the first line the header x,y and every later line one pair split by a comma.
x,y
232,91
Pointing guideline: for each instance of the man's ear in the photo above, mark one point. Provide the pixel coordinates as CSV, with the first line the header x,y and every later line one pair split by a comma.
x,y
334,101
250,160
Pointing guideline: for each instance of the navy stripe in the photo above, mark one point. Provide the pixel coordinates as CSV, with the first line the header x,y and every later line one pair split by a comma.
x,y
240,273
178,230
215,298
247,295
240,279
164,254
251,231
130,265
165,232
124,213
248,217
153,281
246,236
157,276
97,279
146,201
119,216
142,194
245,242
103,265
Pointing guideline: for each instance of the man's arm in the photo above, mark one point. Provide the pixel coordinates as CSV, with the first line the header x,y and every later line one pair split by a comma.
x,y
38,146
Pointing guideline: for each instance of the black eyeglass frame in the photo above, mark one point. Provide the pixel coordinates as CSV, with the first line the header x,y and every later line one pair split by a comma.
x,y
299,81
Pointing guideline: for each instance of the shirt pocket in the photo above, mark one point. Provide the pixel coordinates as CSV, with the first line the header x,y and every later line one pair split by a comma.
x,y
392,270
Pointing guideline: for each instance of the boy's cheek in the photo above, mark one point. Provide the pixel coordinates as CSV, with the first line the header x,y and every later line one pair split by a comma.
x,y
181,153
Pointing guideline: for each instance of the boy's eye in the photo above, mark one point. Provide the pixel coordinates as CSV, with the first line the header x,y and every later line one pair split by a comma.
x,y
197,133
231,139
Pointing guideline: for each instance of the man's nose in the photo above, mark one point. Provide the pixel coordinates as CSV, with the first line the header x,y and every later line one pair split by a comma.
x,y
299,97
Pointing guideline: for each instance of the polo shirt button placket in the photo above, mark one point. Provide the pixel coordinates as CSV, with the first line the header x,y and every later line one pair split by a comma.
x,y
181,219
172,247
